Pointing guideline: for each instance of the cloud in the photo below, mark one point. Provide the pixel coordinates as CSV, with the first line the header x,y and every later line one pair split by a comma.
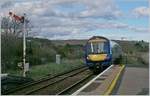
x,y
94,8
66,18
141,11
99,8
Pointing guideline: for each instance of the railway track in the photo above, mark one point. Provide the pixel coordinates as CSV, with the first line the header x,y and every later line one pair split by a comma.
x,y
72,88
60,86
26,85
56,85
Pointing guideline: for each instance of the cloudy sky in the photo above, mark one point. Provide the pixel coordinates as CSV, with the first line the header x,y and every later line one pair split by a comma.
x,y
81,19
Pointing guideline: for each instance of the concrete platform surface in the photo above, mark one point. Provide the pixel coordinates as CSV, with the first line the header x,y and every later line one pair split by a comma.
x,y
134,81
101,83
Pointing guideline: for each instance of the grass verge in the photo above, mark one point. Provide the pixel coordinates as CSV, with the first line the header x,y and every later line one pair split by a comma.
x,y
39,71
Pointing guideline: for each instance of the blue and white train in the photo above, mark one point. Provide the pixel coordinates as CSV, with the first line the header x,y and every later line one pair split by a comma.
x,y
101,52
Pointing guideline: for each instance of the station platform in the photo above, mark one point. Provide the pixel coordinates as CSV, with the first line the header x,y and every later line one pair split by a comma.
x,y
135,81
118,80
103,83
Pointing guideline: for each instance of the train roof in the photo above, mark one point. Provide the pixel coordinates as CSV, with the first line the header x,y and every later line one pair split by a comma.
x,y
97,39
113,43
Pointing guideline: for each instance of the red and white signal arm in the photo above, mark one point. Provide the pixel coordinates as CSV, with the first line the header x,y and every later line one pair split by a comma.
x,y
17,18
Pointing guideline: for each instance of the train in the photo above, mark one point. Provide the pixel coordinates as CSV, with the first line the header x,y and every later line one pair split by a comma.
x,y
100,52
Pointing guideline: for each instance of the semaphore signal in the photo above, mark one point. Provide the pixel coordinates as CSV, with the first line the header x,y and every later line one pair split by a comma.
x,y
21,19
16,17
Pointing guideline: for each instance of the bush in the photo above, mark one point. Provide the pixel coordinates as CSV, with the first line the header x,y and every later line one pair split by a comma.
x,y
38,51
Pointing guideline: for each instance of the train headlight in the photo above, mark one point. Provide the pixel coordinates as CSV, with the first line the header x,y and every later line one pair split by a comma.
x,y
87,58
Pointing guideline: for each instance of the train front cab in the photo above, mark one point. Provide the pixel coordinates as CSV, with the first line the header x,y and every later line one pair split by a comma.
x,y
98,54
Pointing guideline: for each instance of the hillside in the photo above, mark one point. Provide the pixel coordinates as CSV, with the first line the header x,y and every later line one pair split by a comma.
x,y
71,42
137,51
41,51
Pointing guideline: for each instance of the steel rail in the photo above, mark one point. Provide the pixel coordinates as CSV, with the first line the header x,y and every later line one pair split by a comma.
x,y
73,85
38,81
59,80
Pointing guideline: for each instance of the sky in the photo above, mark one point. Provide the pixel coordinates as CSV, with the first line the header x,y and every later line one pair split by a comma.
x,y
82,19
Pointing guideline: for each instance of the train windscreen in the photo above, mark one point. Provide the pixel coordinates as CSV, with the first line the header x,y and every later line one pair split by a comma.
x,y
97,47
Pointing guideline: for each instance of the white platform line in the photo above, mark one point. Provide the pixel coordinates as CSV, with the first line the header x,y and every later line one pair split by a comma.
x,y
83,87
